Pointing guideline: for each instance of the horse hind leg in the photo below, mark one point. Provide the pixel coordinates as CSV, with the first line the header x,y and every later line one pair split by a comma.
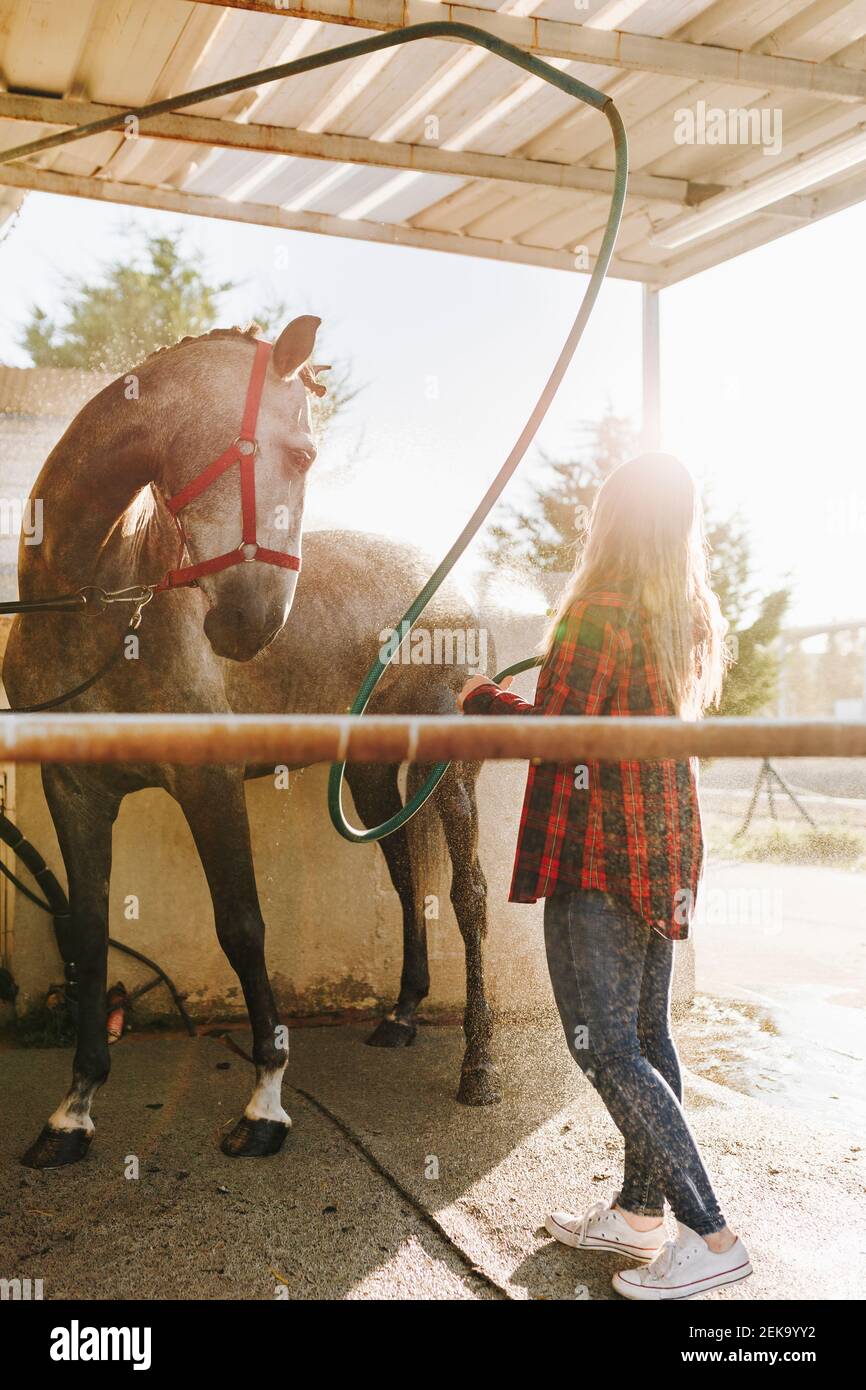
x,y
377,797
83,816
456,803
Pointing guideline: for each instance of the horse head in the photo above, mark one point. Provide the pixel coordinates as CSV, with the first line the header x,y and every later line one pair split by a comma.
x,y
245,501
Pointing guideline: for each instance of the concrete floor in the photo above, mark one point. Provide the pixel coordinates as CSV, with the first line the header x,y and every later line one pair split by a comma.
x,y
352,1208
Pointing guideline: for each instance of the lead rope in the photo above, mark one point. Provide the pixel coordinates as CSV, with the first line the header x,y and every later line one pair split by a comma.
x,y
83,599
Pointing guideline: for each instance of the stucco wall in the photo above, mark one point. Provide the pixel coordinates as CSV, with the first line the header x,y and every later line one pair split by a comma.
x,y
334,935
36,406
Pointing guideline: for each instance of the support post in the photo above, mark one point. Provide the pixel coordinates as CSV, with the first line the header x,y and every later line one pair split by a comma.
x,y
651,426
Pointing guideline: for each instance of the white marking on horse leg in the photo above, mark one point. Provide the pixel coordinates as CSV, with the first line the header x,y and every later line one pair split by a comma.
x,y
74,1111
265,1102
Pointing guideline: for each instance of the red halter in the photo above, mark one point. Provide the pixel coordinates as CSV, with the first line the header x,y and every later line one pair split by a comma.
x,y
243,450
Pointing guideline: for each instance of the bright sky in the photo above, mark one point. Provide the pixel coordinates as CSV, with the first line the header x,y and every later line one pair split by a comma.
x,y
762,372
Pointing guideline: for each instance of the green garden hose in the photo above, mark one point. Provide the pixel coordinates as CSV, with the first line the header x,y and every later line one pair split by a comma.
x,y
416,608
436,29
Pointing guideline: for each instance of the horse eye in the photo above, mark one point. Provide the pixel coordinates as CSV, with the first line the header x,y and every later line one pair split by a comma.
x,y
302,458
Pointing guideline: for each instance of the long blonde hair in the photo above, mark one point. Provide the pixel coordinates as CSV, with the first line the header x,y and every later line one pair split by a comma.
x,y
645,538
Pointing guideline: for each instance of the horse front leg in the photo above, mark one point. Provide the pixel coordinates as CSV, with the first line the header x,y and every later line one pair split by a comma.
x,y
83,812
213,802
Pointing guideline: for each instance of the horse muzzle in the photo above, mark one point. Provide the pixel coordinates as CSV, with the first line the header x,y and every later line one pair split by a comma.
x,y
239,636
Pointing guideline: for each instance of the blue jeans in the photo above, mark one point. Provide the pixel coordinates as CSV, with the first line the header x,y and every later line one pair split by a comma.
x,y
611,976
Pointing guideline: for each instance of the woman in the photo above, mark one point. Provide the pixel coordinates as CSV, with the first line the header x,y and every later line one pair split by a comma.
x,y
616,848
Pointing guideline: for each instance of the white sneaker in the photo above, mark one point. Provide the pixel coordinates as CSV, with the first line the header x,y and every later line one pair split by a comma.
x,y
683,1268
603,1228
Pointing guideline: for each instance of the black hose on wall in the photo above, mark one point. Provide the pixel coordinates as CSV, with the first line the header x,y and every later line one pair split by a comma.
x,y
56,903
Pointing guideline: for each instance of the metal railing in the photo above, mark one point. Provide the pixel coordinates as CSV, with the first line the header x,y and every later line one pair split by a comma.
x,y
311,738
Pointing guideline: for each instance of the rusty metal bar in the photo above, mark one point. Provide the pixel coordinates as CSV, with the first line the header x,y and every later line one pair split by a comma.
x,y
304,739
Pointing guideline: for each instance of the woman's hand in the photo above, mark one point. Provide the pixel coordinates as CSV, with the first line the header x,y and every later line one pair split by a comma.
x,y
473,684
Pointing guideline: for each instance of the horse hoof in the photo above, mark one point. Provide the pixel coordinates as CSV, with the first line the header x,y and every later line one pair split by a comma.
x,y
479,1086
255,1138
393,1032
55,1148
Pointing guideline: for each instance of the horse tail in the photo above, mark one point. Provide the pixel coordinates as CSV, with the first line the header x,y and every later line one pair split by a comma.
x,y
427,848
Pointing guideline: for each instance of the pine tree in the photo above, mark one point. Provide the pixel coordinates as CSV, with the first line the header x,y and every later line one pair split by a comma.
x,y
140,304
154,297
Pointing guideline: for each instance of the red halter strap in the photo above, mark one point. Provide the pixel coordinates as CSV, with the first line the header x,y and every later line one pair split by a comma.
x,y
242,451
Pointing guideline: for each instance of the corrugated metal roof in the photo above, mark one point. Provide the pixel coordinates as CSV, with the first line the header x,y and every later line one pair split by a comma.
x,y
442,145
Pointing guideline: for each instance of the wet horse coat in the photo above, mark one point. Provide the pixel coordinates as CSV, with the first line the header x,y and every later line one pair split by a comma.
x,y
247,639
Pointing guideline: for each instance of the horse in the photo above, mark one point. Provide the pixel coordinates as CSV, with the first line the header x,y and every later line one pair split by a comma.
x,y
221,637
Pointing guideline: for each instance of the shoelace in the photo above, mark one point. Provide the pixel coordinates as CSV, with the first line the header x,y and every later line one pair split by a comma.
x,y
594,1211
661,1265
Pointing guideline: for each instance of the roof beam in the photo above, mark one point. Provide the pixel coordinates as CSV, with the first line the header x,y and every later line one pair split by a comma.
x,y
763,227
607,48
351,149
263,214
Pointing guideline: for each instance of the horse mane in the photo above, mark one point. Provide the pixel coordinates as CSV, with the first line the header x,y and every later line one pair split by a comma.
x,y
139,512
249,334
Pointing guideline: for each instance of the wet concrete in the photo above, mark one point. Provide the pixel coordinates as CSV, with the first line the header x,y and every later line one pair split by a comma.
x,y
782,951
798,1058
387,1188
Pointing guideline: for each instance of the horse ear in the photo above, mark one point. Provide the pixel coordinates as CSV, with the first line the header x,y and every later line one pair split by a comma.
x,y
295,344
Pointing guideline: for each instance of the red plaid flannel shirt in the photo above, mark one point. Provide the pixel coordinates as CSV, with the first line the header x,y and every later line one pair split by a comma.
x,y
632,828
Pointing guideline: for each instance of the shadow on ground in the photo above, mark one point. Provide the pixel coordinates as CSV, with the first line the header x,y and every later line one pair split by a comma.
x,y
387,1188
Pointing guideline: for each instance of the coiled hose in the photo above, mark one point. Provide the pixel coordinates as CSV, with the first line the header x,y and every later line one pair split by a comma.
x,y
416,608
